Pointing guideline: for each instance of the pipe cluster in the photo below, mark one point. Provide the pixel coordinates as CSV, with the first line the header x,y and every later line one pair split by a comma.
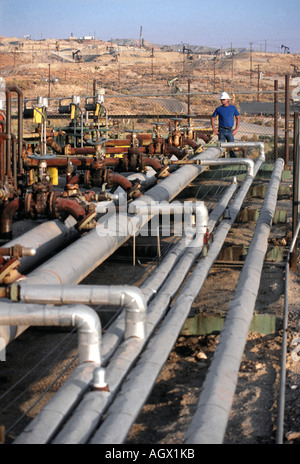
x,y
74,190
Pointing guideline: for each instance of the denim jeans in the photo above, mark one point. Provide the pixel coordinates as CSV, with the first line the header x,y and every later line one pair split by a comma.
x,y
225,135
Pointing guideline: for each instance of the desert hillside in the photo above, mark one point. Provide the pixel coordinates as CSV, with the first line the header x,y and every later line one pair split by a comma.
x,y
73,65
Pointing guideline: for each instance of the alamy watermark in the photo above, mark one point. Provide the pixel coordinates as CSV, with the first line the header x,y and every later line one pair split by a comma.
x,y
153,218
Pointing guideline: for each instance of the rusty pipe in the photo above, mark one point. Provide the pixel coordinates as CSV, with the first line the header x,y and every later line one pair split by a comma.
x,y
19,92
55,147
118,179
60,162
154,163
14,158
171,150
191,143
7,216
3,137
71,207
8,130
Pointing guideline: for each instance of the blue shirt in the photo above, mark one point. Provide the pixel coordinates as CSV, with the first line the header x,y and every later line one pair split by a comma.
x,y
226,115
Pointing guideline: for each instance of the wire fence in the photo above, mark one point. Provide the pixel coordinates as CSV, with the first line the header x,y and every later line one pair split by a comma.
x,y
263,115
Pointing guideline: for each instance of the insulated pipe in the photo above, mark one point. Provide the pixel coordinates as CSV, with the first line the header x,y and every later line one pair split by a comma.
x,y
45,238
125,296
96,402
162,344
61,405
100,243
82,317
210,420
259,145
281,398
153,283
231,161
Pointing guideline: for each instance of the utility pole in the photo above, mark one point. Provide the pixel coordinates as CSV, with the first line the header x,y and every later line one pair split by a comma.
x,y
141,33
231,62
152,56
49,76
214,60
258,79
250,63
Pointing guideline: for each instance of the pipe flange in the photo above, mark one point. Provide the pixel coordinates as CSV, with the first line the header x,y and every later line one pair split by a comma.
x,y
87,222
54,209
164,172
9,272
29,205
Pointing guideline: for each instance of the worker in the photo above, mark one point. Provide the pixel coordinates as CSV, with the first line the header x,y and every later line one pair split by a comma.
x,y
228,115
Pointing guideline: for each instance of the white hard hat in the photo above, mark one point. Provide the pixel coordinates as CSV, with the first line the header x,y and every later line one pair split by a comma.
x,y
224,96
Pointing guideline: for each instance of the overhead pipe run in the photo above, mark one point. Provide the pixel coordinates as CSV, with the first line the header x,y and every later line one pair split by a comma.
x,y
96,402
129,297
127,406
82,317
67,395
98,244
210,420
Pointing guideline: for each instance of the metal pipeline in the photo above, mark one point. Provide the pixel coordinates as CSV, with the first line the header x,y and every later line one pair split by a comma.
x,y
98,244
231,161
82,317
7,217
281,398
96,402
118,179
185,299
212,414
125,296
61,405
45,238
128,405
70,207
19,92
243,145
8,133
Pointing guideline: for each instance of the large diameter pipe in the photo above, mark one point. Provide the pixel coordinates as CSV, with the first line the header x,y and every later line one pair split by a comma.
x,y
210,420
81,258
62,404
45,238
82,317
166,338
174,184
73,264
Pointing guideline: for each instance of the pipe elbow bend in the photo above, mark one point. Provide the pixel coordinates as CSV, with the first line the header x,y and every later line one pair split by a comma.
x,y
136,312
261,146
90,333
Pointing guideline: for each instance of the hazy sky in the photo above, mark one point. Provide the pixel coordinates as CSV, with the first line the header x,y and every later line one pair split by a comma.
x,y
216,23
